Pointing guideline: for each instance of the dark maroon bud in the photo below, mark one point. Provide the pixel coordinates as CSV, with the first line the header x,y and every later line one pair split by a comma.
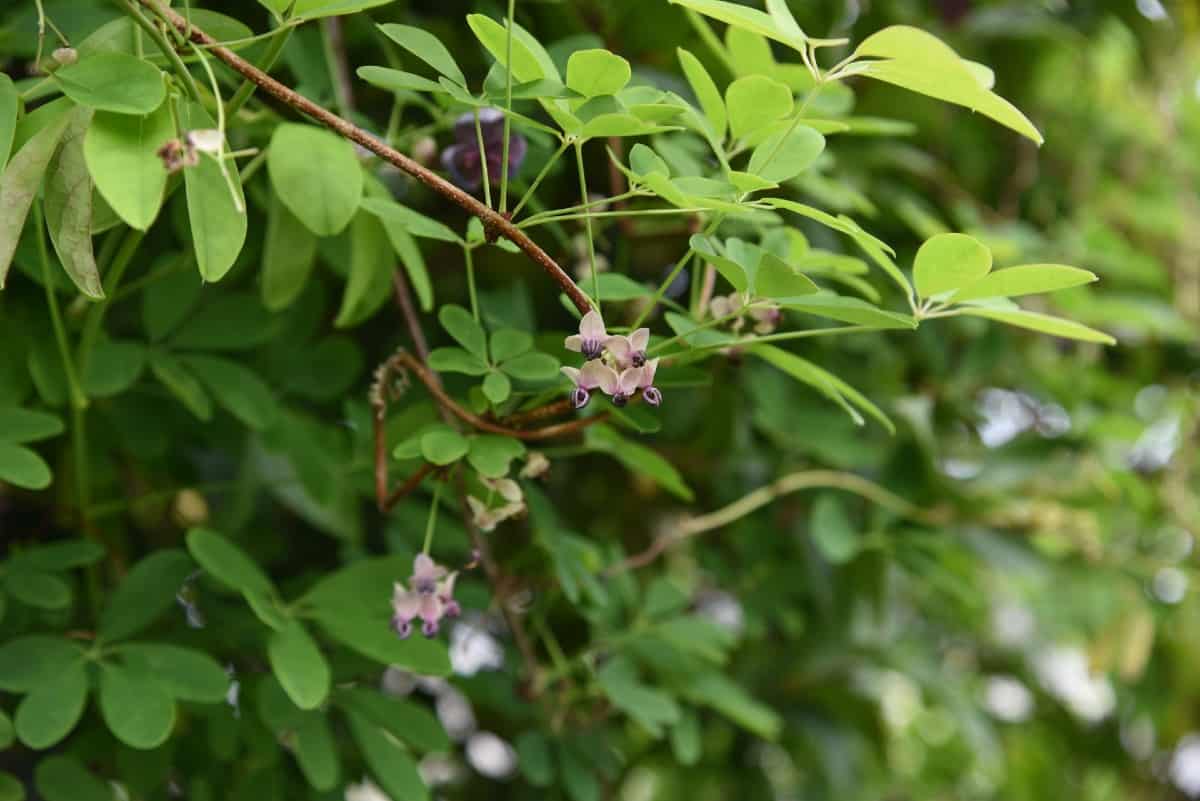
x,y
429,628
403,628
580,397
462,160
620,399
652,396
638,358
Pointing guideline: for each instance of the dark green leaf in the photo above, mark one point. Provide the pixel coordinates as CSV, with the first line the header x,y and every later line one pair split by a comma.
x,y
316,752
457,360
64,778
135,707
68,204
182,384
122,157
237,388
639,459
443,446
19,185
35,588
26,662
24,425
317,176
289,254
113,82
426,47
459,323
532,367
185,673
23,468
390,763
51,710
145,593
227,563
492,454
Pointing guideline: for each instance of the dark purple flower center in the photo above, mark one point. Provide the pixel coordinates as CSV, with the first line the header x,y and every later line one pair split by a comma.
x,y
580,397
591,349
620,399
652,396
425,586
638,358
429,628
403,628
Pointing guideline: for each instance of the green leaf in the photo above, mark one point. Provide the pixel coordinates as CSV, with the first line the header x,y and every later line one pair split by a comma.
x,y
848,310
729,269
182,384
720,693
289,254
7,734
428,48
122,156
618,124
644,161
527,63
506,343
412,259
1025,279
371,636
11,789
237,388
144,594
315,9
369,283
317,176
532,366
136,709
68,205
38,589
51,710
748,19
113,368
227,563
216,212
398,80
19,184
685,738
459,324
316,752
492,454
457,360
390,762
949,261
706,92
651,708
23,468
114,82
404,719
444,446
27,662
920,62
415,223
10,103
185,673
533,756
64,778
829,385
497,388
1044,323
783,156
299,665
578,779
597,72
23,425
754,102
168,301
776,279
62,555
639,459
831,530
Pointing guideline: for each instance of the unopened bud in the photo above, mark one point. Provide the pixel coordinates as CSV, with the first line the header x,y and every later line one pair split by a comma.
x,y
65,56
189,508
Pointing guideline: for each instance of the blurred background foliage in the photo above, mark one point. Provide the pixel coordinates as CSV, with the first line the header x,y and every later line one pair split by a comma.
x,y
1029,636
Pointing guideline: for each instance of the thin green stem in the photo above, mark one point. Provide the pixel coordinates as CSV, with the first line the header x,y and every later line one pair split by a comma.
x,y
468,254
512,9
783,337
538,180
220,156
670,279
483,164
713,323
78,398
585,206
598,215
168,50
431,523
112,280
279,39
588,223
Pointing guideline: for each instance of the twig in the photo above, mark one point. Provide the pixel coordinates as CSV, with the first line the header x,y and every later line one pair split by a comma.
x,y
494,223
555,409
794,482
388,503
339,64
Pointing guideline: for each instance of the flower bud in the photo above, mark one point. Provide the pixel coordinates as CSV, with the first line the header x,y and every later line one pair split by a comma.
x,y
65,56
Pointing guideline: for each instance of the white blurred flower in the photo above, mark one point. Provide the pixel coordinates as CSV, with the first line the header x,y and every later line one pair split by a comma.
x,y
473,648
1065,674
1007,699
1185,765
491,756
366,791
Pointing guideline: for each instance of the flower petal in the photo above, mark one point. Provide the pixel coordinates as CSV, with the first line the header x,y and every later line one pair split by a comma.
x,y
620,347
639,339
598,374
405,607
574,342
648,371
592,326
571,373
631,378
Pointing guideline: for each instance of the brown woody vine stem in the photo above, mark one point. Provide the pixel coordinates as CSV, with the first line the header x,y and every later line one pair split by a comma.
x,y
493,222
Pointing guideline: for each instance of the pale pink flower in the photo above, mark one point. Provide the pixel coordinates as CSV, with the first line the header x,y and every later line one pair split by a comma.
x,y
629,351
429,596
650,393
594,375
486,518
590,339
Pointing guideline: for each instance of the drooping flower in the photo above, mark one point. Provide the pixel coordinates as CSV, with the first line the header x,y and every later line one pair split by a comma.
x,y
625,385
591,337
486,518
506,488
462,159
429,596
594,375
629,351
650,393
536,465
206,140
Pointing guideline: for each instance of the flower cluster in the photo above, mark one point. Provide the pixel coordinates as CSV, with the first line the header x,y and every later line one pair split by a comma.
x,y
429,596
616,365
462,159
766,317
176,154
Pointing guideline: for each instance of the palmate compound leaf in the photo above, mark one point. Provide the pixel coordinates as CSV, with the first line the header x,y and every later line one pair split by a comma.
x,y
949,261
1024,279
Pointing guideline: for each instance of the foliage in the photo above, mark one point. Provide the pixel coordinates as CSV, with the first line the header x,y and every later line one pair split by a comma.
x,y
739,426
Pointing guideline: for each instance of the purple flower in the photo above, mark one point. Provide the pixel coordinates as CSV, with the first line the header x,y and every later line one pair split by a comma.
x,y
629,351
462,159
594,375
650,392
429,596
591,337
